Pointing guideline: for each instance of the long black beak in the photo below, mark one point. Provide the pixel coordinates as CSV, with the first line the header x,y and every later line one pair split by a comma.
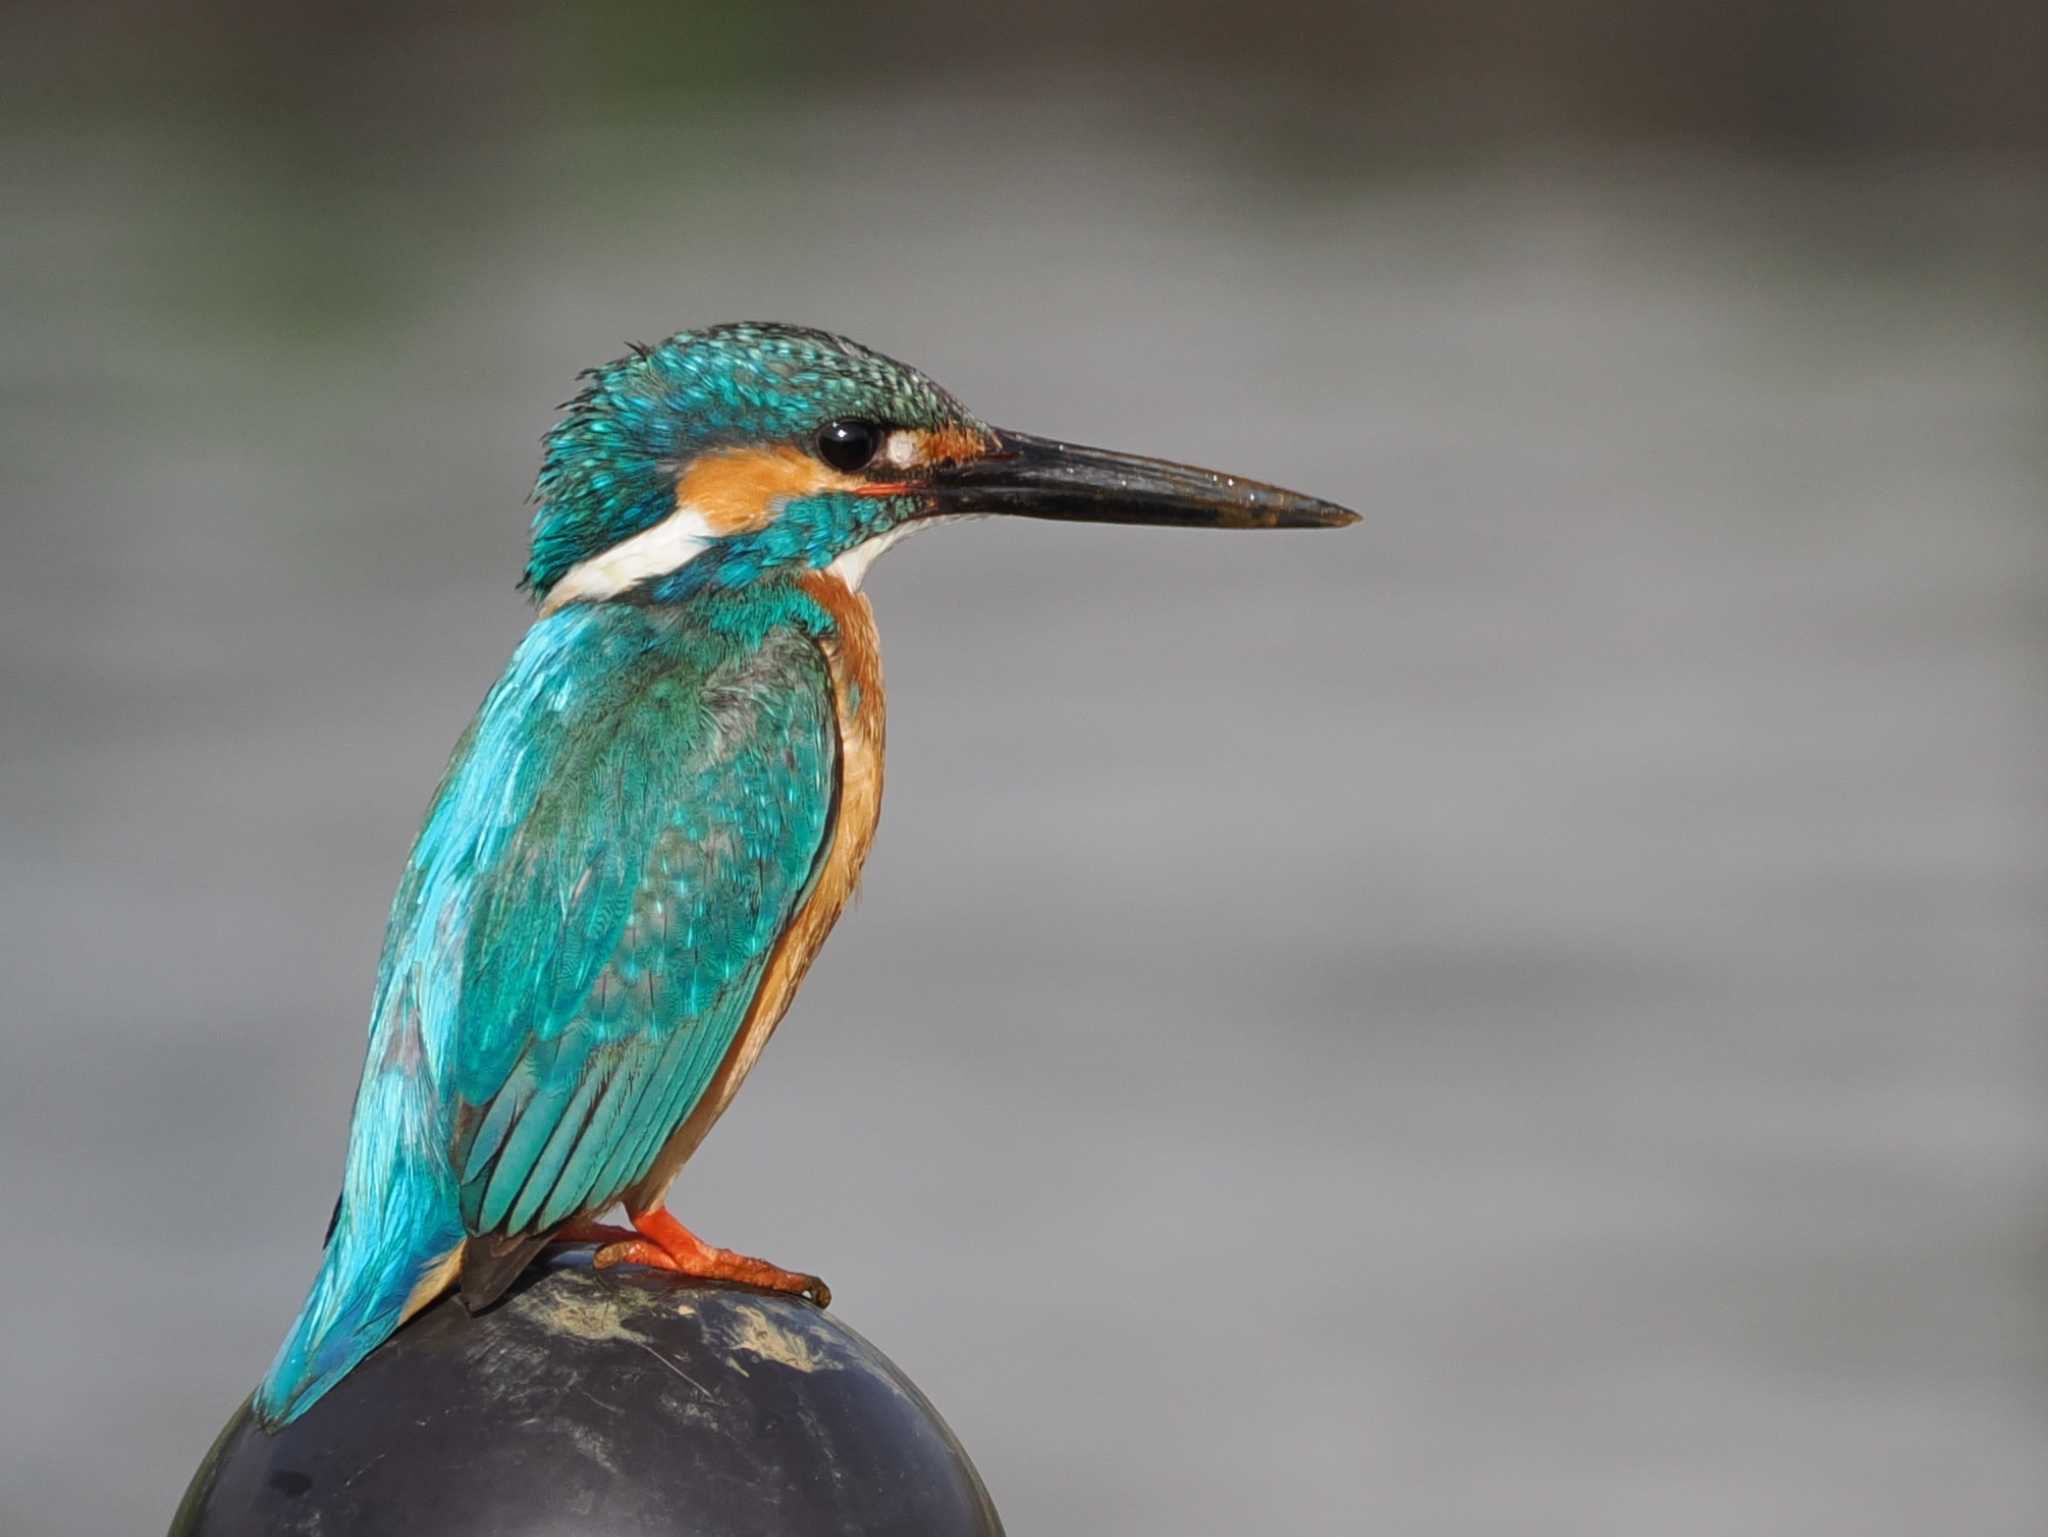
x,y
1032,477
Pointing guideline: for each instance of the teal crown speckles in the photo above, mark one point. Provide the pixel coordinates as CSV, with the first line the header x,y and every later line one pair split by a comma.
x,y
609,467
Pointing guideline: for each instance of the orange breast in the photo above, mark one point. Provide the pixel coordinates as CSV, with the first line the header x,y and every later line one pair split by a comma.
x,y
854,657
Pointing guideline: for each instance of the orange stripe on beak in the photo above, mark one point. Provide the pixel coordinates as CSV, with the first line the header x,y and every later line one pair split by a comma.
x,y
953,445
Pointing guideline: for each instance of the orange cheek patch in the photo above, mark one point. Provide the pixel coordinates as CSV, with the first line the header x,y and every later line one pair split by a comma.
x,y
738,490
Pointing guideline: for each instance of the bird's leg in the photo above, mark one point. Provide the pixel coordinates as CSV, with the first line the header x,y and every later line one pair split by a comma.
x,y
665,1244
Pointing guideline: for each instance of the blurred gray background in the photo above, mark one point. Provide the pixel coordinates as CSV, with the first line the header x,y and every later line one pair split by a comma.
x,y
1525,1016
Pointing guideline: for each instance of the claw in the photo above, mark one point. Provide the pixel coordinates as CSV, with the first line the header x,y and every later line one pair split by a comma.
x,y
660,1242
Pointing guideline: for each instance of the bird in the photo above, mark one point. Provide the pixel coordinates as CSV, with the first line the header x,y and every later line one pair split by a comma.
x,y
661,808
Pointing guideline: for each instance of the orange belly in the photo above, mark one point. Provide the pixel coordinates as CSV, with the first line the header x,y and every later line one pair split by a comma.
x,y
855,660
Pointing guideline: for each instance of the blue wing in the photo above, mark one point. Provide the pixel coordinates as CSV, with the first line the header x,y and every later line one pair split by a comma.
x,y
621,838
616,945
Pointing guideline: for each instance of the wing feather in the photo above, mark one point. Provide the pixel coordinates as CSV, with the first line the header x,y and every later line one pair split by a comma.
x,y
616,942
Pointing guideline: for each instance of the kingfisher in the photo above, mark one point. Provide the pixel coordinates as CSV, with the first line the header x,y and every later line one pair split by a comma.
x,y
661,808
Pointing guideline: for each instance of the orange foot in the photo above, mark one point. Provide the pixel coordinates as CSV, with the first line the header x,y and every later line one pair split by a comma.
x,y
656,1239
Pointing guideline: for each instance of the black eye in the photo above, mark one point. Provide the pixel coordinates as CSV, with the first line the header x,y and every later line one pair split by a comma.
x,y
848,446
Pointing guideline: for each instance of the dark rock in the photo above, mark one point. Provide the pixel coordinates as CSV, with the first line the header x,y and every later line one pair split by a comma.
x,y
620,1402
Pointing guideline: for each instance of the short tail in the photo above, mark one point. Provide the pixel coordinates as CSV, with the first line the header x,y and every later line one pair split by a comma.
x,y
377,1273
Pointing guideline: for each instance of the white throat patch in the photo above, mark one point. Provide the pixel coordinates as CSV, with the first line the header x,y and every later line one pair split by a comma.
x,y
852,567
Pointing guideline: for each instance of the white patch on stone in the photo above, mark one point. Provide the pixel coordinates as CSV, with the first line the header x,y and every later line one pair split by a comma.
x,y
753,1331
670,545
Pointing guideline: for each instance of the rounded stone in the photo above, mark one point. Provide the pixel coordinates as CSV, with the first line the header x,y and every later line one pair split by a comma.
x,y
625,1401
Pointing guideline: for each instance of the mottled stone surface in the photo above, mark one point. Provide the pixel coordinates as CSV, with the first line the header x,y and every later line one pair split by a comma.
x,y
622,1402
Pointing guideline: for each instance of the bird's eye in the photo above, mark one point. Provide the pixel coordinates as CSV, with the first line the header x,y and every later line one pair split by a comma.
x,y
849,446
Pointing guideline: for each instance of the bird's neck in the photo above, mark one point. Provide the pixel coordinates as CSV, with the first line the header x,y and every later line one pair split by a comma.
x,y
820,602
854,653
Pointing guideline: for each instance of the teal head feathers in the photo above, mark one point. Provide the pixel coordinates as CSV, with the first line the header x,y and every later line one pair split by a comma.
x,y
726,453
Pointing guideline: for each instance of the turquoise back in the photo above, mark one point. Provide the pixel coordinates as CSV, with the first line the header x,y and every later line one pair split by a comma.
x,y
623,833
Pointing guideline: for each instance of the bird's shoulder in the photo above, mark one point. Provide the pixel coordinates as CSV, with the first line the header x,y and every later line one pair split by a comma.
x,y
625,750
590,680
